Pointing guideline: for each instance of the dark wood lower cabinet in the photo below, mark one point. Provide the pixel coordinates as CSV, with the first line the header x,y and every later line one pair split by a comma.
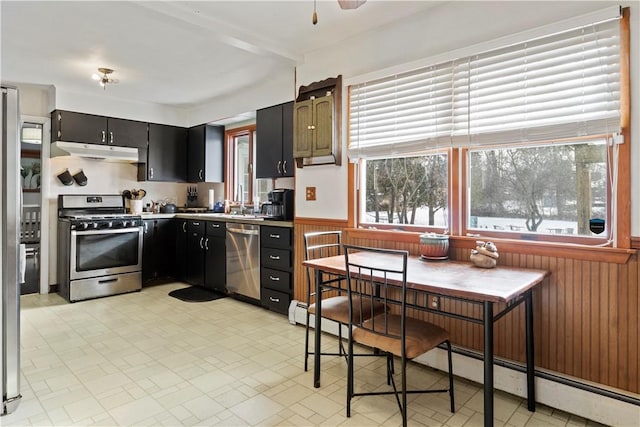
x,y
180,265
195,252
276,267
215,275
158,250
201,253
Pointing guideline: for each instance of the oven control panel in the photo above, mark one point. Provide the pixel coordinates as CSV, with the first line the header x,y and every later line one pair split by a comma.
x,y
106,224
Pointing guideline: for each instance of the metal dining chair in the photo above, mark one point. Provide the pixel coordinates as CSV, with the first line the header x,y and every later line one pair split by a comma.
x,y
335,302
379,276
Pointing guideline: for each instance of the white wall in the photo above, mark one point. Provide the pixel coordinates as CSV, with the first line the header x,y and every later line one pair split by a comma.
x,y
278,89
447,27
104,105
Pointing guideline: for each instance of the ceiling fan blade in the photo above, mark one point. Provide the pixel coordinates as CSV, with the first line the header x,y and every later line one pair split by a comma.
x,y
351,4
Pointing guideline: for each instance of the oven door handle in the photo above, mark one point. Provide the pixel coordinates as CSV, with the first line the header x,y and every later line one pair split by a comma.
x,y
106,231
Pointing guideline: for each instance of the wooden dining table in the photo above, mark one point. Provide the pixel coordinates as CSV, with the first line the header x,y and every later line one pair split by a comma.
x,y
501,287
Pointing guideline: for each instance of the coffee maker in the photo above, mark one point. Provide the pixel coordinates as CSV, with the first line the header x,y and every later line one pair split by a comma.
x,y
280,205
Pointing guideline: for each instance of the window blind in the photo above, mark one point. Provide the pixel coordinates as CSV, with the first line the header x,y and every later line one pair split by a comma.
x,y
562,85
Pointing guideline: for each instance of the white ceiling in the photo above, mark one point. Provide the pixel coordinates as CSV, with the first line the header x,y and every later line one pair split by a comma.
x,y
180,53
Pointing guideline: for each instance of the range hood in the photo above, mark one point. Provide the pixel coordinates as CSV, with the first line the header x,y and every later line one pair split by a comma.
x,y
95,151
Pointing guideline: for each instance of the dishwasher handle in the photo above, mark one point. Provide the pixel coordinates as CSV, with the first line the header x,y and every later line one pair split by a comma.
x,y
250,232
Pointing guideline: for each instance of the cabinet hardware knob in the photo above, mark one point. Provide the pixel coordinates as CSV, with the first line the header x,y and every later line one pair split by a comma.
x,y
274,279
184,227
284,167
309,127
275,257
201,241
200,173
151,173
272,299
110,137
278,167
104,136
274,236
206,243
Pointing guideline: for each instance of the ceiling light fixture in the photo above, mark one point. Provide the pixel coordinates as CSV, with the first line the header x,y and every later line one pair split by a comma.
x,y
104,78
314,19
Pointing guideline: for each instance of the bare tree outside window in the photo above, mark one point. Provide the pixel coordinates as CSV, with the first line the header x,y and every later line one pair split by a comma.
x,y
543,189
407,190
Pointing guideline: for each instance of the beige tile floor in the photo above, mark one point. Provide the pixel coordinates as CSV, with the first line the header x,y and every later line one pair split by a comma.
x,y
148,359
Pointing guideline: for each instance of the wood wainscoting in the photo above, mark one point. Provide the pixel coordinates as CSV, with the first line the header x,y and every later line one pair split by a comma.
x,y
586,312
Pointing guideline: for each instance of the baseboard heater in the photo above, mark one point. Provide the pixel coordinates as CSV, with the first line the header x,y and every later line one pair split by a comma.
x,y
588,400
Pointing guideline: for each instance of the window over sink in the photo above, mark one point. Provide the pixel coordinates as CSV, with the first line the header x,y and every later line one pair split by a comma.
x,y
240,174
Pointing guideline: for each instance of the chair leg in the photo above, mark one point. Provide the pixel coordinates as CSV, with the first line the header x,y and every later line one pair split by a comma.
x,y
340,347
350,372
389,367
404,392
306,344
453,408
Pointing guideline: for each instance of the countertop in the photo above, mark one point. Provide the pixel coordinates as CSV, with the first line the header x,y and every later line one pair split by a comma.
x,y
245,219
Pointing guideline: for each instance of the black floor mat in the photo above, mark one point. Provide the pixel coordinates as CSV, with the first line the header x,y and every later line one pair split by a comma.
x,y
195,294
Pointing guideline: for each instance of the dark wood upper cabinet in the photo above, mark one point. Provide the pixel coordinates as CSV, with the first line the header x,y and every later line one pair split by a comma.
x,y
127,133
205,154
166,158
89,128
274,141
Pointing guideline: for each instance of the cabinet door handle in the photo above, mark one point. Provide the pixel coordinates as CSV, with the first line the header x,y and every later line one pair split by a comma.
x,y
146,227
274,279
274,236
196,223
200,173
110,137
206,243
201,245
184,227
278,167
284,167
104,136
272,299
150,173
215,225
274,257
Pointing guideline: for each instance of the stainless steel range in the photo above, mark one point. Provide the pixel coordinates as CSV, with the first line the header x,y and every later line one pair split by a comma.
x,y
99,247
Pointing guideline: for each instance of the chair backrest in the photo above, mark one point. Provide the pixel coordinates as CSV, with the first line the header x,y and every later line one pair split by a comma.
x,y
30,224
376,276
320,244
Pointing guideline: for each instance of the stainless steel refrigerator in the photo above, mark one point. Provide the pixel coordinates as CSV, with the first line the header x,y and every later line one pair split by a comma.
x,y
10,209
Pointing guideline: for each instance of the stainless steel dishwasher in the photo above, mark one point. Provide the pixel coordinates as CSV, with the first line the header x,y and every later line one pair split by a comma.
x,y
243,260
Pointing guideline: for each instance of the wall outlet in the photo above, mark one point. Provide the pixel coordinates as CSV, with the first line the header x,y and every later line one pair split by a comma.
x,y
435,302
311,193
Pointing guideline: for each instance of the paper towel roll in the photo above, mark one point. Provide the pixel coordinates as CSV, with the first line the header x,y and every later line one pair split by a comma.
x,y
211,199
